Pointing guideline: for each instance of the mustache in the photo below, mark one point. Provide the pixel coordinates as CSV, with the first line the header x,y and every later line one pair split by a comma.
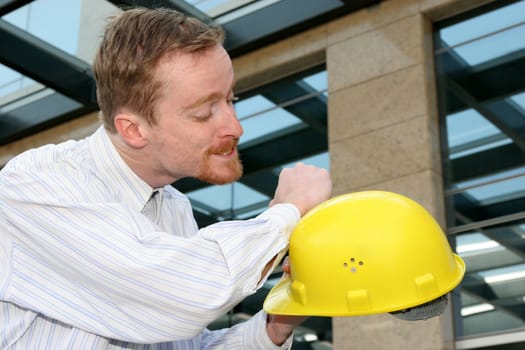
x,y
225,146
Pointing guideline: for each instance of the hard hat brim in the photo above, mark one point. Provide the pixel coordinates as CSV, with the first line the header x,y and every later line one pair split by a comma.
x,y
280,301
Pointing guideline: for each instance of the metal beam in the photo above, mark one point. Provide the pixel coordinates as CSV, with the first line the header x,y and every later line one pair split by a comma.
x,y
294,146
46,64
266,24
178,5
7,6
497,119
302,101
283,19
490,81
44,112
486,162
264,182
274,22
495,79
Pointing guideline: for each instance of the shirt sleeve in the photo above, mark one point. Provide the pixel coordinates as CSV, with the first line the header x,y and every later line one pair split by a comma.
x,y
248,335
241,254
106,269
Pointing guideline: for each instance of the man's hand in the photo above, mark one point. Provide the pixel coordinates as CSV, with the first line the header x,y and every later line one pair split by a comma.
x,y
280,327
304,186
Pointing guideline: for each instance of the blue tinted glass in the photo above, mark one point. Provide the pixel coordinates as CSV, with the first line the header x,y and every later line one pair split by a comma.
x,y
483,110
40,19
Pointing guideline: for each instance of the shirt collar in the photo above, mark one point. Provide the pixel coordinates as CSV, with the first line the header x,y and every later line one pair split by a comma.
x,y
131,189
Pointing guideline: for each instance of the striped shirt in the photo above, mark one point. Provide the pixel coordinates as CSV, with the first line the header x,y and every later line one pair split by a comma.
x,y
82,267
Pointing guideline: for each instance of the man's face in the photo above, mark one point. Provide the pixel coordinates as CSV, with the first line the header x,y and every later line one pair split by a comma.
x,y
197,130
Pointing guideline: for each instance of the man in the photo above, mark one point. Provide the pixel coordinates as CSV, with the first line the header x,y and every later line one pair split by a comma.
x,y
97,249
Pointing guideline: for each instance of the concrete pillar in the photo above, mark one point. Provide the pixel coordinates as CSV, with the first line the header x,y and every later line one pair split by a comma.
x,y
384,135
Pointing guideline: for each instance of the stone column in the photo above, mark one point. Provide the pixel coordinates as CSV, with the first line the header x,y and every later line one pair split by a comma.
x,y
384,135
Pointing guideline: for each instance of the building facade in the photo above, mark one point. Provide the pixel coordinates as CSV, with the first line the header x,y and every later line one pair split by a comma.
x,y
387,107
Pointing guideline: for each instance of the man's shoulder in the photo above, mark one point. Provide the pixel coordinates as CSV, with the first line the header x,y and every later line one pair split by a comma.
x,y
48,155
51,163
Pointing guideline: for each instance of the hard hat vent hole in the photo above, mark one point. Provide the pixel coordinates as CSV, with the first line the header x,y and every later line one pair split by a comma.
x,y
353,262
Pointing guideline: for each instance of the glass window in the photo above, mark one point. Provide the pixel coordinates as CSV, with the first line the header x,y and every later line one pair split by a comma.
x,y
480,63
70,36
13,84
498,29
39,19
227,10
260,117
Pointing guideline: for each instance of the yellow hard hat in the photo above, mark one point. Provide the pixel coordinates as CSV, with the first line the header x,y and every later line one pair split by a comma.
x,y
365,253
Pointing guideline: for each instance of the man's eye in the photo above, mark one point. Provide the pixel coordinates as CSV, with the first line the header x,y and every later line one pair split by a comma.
x,y
202,117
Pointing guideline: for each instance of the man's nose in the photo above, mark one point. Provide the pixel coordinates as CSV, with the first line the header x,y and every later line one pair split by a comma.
x,y
233,125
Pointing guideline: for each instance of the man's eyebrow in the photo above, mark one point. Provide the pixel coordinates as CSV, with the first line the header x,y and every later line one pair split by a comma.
x,y
203,100
210,97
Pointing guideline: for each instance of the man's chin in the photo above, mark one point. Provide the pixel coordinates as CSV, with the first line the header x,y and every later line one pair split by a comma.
x,y
217,177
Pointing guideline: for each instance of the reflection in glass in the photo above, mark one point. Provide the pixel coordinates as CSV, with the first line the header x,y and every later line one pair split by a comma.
x,y
482,109
492,292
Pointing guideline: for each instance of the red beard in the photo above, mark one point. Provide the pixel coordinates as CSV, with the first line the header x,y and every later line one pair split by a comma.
x,y
224,173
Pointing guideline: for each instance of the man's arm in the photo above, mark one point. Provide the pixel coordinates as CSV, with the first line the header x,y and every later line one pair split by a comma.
x,y
247,335
305,187
281,327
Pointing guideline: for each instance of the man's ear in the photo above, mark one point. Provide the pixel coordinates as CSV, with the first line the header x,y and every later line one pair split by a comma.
x,y
130,127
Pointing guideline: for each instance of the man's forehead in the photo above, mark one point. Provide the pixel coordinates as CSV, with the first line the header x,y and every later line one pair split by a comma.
x,y
181,72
